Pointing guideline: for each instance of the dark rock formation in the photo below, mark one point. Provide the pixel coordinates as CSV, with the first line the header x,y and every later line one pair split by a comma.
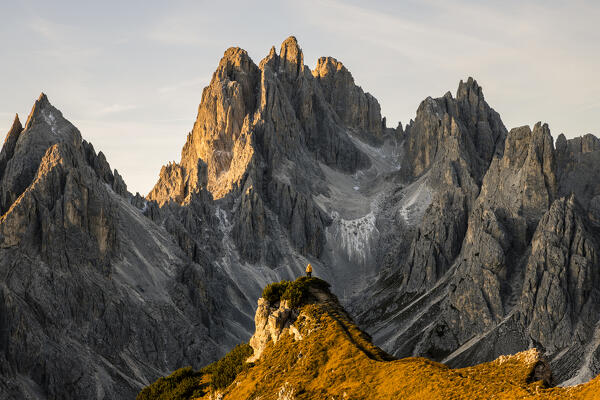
x,y
560,300
524,275
444,125
96,299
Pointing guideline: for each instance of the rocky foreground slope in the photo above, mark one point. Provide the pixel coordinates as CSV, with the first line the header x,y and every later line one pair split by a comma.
x,y
450,238
313,350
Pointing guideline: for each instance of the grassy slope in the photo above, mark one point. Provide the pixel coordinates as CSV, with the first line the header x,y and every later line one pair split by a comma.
x,y
336,360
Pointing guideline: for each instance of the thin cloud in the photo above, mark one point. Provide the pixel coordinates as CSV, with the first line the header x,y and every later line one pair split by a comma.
x,y
117,108
62,42
187,84
46,28
179,29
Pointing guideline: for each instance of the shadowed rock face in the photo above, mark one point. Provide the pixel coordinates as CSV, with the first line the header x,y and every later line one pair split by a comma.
x,y
96,300
465,125
354,107
560,297
523,271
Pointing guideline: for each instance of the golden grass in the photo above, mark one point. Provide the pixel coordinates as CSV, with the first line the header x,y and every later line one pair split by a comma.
x,y
335,360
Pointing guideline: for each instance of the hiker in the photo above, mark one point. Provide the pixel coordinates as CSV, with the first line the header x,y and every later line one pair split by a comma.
x,y
309,270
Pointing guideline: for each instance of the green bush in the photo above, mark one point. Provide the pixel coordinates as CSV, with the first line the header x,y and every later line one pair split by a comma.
x,y
294,295
182,384
185,383
294,292
224,371
273,291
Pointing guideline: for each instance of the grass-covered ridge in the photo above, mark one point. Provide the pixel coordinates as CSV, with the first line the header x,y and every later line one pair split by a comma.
x,y
334,358
294,292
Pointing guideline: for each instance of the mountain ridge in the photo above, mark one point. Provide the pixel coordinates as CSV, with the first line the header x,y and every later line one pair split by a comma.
x,y
428,234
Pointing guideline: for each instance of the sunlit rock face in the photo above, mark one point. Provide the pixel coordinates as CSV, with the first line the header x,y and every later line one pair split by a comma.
x,y
278,146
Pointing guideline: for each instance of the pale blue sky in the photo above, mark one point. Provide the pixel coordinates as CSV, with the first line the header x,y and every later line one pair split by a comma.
x,y
129,74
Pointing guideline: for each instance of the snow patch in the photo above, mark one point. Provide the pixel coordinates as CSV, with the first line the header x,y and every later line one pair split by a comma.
x,y
50,120
355,236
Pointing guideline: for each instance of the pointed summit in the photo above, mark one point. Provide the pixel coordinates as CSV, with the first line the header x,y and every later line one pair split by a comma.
x,y
272,60
9,143
468,88
15,129
291,56
14,132
41,103
236,55
234,61
329,65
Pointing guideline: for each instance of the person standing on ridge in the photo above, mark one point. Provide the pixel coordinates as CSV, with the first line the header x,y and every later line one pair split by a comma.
x,y
309,270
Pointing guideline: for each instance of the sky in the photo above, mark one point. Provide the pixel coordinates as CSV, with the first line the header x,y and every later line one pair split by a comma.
x,y
130,74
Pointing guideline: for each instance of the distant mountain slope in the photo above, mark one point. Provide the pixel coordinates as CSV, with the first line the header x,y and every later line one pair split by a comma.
x,y
501,265
95,299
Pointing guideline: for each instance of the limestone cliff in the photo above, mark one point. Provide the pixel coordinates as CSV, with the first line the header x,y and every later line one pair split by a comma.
x,y
95,299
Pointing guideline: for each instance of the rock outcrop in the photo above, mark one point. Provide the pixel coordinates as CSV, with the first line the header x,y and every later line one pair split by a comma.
x,y
272,321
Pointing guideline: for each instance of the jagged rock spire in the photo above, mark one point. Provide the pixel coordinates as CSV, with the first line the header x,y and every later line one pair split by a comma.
x,y
292,59
9,144
468,88
37,108
14,131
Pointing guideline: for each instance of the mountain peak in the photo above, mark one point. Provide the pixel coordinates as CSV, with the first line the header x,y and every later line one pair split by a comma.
x,y
16,126
290,43
291,55
234,60
327,65
466,88
14,131
9,145
235,54
40,104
